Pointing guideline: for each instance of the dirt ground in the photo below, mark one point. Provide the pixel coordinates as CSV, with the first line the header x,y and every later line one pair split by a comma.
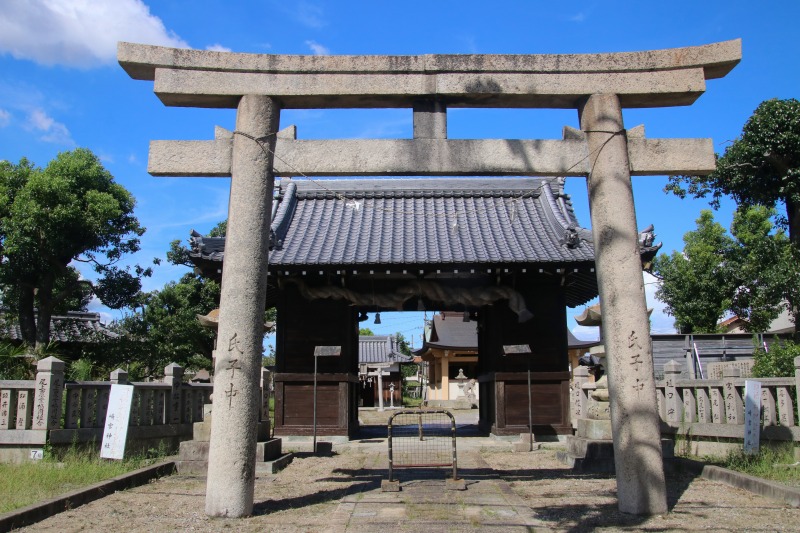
x,y
506,491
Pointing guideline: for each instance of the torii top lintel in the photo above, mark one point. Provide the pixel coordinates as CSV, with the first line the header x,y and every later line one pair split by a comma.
x,y
430,84
656,78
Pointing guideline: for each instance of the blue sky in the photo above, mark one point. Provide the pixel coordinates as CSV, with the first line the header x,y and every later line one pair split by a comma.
x,y
61,87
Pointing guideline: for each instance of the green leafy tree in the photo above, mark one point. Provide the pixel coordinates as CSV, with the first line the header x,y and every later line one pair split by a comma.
x,y
165,328
366,332
749,274
761,167
695,284
72,211
761,266
778,362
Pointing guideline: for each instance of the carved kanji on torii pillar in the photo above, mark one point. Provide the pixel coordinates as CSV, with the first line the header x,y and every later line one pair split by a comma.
x,y
598,86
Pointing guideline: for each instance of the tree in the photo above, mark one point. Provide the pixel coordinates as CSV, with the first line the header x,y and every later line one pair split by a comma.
x,y
695,284
778,362
763,274
749,274
165,329
762,167
70,211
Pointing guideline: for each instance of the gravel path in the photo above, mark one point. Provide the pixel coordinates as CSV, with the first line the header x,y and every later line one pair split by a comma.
x,y
505,492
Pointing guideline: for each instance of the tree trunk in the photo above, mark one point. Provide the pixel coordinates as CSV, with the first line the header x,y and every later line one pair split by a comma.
x,y
25,314
793,217
45,312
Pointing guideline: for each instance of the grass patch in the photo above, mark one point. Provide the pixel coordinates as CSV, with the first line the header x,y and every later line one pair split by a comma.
x,y
411,403
27,483
766,464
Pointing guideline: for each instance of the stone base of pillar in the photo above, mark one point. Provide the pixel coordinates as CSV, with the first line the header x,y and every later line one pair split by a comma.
x,y
591,450
588,456
193,454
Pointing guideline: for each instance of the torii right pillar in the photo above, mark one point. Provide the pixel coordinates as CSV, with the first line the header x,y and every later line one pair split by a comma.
x,y
641,488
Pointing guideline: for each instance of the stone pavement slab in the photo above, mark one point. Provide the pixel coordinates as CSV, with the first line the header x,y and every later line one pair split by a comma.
x,y
424,503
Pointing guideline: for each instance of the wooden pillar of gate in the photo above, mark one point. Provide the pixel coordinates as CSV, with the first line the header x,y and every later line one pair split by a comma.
x,y
626,328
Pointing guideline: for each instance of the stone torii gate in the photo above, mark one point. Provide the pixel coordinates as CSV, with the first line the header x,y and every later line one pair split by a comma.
x,y
598,86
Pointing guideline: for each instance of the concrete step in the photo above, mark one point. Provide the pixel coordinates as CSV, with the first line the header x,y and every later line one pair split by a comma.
x,y
590,448
200,467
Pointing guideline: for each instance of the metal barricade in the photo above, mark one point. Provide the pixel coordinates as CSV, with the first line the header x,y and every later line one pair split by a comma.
x,y
422,438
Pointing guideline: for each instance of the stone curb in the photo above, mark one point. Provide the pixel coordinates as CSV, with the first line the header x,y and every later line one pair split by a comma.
x,y
762,487
36,512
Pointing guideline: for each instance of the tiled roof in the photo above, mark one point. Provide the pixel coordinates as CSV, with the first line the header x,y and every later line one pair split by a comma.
x,y
380,349
414,221
419,222
403,223
449,331
75,326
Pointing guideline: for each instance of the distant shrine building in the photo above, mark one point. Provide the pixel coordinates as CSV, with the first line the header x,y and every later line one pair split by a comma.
x,y
508,252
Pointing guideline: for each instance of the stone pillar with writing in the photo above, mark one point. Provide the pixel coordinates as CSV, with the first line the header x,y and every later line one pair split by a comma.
x,y
674,405
579,376
266,383
48,393
734,406
8,408
626,329
232,453
173,376
797,380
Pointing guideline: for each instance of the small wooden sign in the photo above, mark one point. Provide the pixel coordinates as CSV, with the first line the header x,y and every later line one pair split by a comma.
x,y
327,351
517,349
115,432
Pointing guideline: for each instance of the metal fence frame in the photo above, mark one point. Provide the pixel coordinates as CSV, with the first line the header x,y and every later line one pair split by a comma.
x,y
420,413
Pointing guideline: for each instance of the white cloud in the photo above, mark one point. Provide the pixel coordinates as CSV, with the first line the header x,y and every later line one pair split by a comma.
x,y
317,48
386,129
78,33
218,48
5,118
660,321
586,333
310,15
133,160
96,306
54,132
579,17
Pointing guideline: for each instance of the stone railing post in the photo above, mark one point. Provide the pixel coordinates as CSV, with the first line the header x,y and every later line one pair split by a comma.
x,y
703,405
797,379
48,394
265,393
689,404
734,405
580,376
768,412
119,377
173,376
674,404
8,408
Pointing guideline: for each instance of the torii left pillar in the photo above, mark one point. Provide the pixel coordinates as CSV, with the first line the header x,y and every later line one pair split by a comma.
x,y
231,458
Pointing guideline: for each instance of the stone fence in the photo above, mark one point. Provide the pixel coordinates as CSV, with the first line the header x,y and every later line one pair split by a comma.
x,y
50,411
706,416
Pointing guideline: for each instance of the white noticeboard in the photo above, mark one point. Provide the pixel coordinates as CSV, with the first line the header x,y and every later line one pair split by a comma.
x,y
115,431
752,416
